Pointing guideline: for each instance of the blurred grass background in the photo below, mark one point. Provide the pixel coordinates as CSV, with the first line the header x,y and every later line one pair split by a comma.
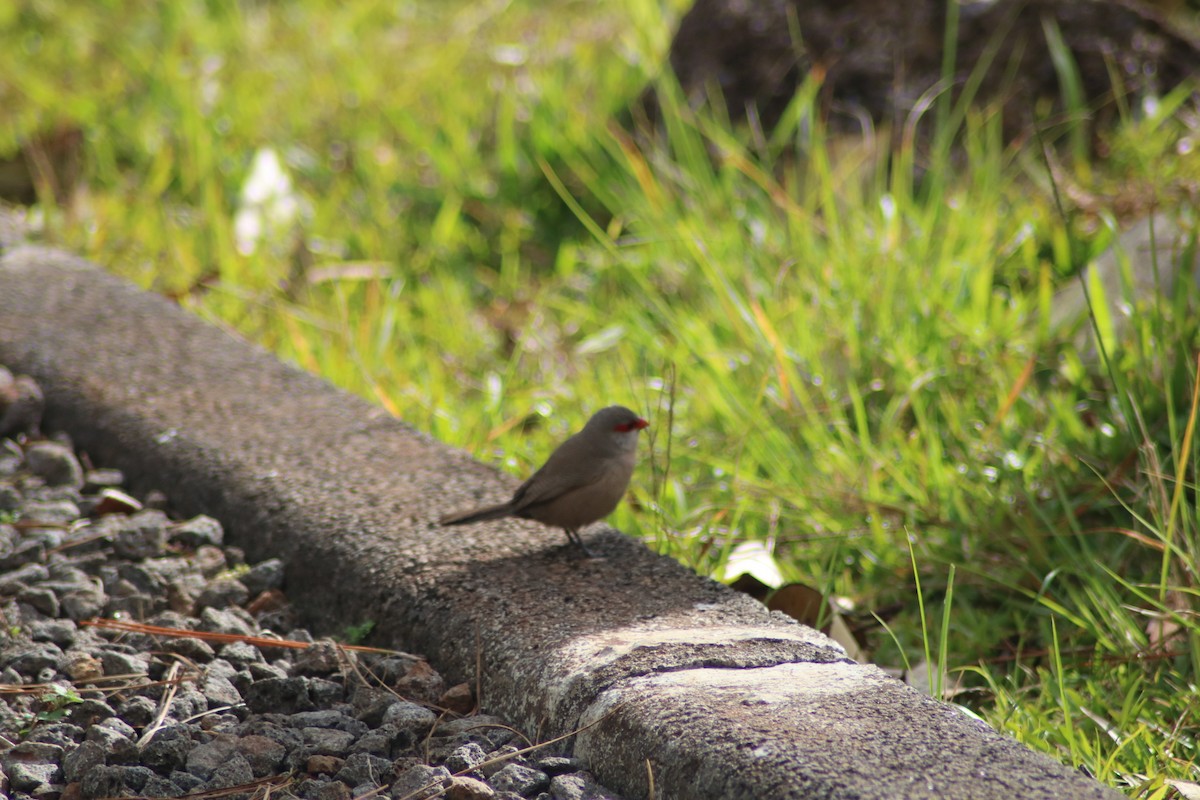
x,y
847,359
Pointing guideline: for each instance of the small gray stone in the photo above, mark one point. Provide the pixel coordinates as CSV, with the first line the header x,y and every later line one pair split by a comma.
x,y
135,777
325,693
30,777
61,632
158,786
55,464
38,489
203,760
312,789
221,668
465,757
391,669
90,712
119,747
83,603
15,580
65,575
30,659
197,531
118,726
369,703
15,716
60,734
222,593
169,749
264,576
86,756
186,704
220,720
361,768
49,512
264,755
142,536
522,780
196,650
263,671
375,742
219,691
406,716
169,568
225,620
411,782
234,771
328,718
300,635
118,663
240,654
502,757
186,781
138,711
280,696
32,753
290,739
42,600
578,786
327,742
24,551
50,538
102,782
144,578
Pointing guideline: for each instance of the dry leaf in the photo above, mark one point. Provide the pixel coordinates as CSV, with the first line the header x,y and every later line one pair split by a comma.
x,y
1186,789
748,584
801,603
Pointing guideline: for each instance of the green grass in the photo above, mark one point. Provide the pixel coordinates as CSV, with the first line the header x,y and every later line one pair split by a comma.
x,y
851,365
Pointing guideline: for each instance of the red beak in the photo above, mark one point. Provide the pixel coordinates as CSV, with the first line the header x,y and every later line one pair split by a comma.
x,y
636,425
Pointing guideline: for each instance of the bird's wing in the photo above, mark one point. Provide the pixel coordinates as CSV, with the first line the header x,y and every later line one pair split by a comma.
x,y
567,469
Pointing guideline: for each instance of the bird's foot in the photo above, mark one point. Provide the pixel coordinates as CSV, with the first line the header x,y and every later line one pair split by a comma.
x,y
574,538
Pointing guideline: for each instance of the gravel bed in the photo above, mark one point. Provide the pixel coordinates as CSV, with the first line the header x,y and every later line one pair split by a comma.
x,y
89,711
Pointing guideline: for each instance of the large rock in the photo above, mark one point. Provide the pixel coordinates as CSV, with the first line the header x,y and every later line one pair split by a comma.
x,y
882,60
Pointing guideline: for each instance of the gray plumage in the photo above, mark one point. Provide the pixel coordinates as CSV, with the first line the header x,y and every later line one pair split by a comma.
x,y
581,482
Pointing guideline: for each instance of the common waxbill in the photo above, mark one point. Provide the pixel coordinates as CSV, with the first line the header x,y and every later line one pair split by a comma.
x,y
581,482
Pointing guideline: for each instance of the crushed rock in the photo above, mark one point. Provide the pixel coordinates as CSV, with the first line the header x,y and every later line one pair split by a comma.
x,y
88,711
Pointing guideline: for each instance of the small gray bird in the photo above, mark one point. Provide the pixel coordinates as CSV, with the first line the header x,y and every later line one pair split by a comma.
x,y
581,482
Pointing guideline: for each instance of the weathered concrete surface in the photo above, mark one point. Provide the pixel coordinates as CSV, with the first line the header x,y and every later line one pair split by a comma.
x,y
846,724
723,699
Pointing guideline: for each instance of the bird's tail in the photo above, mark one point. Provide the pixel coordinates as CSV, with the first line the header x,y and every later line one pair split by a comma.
x,y
477,515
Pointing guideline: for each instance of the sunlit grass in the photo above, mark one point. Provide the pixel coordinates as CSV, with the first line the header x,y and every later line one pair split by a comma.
x,y
846,356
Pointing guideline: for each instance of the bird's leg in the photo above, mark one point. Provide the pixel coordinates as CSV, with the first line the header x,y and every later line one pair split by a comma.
x,y
574,538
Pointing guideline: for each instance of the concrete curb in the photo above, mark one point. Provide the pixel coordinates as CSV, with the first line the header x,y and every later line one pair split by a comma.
x,y
678,676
